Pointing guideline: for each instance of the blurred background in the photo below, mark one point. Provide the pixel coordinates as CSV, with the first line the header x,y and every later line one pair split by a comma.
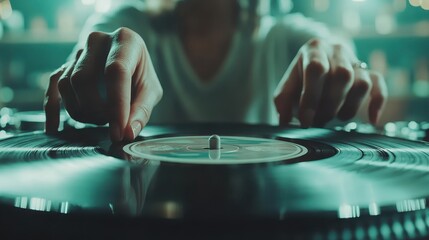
x,y
391,35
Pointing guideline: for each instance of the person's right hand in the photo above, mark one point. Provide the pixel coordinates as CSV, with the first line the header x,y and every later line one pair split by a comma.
x,y
116,65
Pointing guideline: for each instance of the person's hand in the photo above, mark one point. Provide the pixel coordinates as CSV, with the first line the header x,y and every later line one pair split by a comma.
x,y
111,80
327,81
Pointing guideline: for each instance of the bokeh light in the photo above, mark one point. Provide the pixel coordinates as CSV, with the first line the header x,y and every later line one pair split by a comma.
x,y
321,5
425,4
399,5
415,3
352,20
6,94
88,2
103,6
5,9
385,23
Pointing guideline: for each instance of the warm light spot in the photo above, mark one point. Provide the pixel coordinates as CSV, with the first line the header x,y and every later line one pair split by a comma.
x,y
378,61
415,3
5,9
399,5
38,25
171,210
425,4
422,28
66,21
321,5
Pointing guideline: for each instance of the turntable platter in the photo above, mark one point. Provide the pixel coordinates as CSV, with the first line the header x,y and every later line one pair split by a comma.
x,y
315,179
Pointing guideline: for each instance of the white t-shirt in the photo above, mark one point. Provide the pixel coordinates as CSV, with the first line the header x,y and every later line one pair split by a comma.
x,y
241,92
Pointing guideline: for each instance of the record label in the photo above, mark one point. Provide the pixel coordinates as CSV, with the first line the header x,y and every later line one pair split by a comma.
x,y
234,150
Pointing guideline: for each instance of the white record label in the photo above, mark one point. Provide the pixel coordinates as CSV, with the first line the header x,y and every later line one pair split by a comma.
x,y
234,150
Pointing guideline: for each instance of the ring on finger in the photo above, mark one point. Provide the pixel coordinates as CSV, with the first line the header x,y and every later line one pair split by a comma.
x,y
63,67
360,65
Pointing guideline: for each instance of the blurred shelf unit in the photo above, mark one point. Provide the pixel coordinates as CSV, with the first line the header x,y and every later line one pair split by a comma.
x,y
26,60
400,33
48,37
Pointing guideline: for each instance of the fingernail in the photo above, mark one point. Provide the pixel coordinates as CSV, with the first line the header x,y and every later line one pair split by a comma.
x,y
307,118
115,133
136,127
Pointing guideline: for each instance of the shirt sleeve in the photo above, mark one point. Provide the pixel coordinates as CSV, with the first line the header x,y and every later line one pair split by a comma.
x,y
300,29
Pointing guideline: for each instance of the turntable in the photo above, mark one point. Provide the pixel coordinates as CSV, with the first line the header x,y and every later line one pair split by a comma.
x,y
214,181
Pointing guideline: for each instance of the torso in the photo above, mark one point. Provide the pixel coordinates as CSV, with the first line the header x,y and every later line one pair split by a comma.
x,y
206,54
206,32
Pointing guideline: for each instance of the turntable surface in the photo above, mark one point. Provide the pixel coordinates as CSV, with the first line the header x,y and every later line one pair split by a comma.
x,y
315,179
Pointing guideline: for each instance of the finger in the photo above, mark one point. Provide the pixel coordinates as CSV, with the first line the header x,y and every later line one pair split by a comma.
x,y
121,64
68,95
379,96
338,84
288,91
315,66
52,102
139,116
357,94
87,73
148,93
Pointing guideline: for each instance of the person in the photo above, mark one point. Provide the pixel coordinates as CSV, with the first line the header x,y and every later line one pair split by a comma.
x,y
209,61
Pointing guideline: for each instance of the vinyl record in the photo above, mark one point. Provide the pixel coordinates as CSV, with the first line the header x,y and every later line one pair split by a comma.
x,y
259,180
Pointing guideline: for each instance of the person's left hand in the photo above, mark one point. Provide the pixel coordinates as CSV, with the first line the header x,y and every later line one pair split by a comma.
x,y
327,81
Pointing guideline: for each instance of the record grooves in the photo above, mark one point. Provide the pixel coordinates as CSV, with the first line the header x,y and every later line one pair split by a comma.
x,y
296,182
